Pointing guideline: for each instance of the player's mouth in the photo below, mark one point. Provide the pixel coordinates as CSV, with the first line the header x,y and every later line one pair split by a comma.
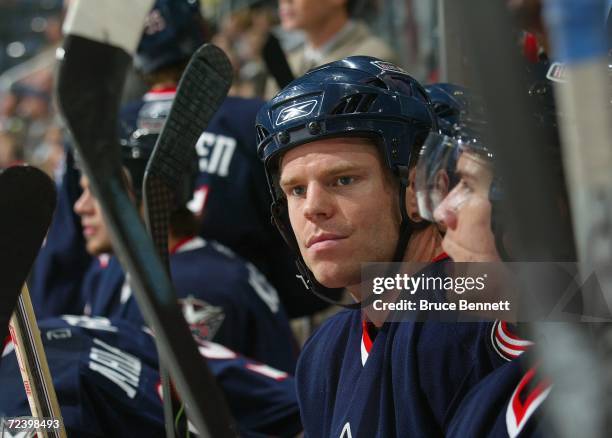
x,y
88,231
324,241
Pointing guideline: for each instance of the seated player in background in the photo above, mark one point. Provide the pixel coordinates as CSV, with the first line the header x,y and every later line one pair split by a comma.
x,y
105,374
507,402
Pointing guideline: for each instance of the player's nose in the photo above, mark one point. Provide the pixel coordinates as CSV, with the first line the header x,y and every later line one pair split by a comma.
x,y
318,204
83,204
445,215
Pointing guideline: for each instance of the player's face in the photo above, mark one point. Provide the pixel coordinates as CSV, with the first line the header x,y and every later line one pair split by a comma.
x,y
95,232
466,213
342,207
306,14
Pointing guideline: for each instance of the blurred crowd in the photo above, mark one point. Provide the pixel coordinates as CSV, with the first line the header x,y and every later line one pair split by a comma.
x,y
30,31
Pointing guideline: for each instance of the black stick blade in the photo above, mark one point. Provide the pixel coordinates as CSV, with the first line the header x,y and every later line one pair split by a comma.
x,y
201,90
27,202
89,87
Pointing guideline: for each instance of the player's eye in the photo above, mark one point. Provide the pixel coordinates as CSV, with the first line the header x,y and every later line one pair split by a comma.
x,y
344,180
465,186
297,191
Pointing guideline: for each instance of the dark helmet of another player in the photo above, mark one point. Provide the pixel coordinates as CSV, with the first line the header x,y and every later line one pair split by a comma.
x,y
460,119
449,102
440,152
357,96
137,144
174,29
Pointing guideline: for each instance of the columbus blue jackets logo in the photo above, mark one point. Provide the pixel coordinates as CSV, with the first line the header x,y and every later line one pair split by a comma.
x,y
296,111
204,319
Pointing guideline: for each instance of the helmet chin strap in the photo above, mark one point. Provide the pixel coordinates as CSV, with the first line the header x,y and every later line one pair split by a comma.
x,y
406,225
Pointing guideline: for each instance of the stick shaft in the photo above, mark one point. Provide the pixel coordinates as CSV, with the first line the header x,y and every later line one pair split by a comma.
x,y
33,364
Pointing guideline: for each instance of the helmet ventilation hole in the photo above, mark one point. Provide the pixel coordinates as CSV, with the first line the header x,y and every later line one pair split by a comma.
x,y
262,133
355,103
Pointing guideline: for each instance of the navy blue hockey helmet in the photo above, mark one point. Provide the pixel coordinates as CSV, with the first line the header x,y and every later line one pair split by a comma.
x,y
173,31
449,102
357,96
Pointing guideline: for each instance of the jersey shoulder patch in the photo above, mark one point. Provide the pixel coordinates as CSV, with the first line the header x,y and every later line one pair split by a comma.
x,y
507,344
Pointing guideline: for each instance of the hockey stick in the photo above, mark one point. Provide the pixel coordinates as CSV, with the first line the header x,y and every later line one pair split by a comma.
x,y
99,38
201,90
33,365
27,205
276,61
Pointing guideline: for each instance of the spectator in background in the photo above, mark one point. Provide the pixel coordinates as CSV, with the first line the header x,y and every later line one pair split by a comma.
x,y
49,153
242,34
10,149
330,34
26,108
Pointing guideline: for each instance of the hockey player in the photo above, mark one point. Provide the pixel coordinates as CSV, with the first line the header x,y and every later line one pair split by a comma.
x,y
339,146
506,402
105,373
230,197
224,298
503,403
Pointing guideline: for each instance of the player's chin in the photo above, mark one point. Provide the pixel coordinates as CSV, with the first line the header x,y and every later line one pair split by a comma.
x,y
333,275
91,246
465,253
96,247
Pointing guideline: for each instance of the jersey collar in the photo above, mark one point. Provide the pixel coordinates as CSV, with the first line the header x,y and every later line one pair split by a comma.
x,y
188,244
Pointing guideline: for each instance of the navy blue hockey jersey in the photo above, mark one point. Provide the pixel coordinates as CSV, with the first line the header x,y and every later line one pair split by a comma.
x,y
106,379
404,379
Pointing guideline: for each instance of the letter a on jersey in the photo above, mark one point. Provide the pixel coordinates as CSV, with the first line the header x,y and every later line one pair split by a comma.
x,y
346,431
